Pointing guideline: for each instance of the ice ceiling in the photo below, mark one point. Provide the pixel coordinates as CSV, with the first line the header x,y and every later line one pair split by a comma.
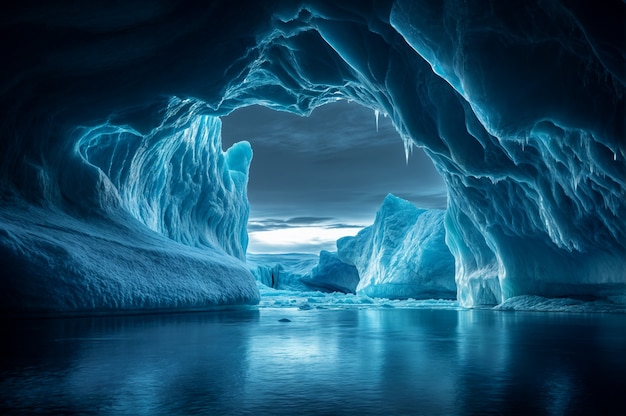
x,y
115,193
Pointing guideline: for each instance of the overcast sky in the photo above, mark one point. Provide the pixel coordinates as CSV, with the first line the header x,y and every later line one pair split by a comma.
x,y
314,179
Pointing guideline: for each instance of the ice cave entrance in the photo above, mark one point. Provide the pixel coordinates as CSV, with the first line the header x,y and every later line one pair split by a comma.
x,y
315,179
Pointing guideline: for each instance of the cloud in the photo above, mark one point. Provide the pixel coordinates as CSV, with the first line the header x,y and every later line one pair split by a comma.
x,y
303,239
308,220
329,128
270,224
332,169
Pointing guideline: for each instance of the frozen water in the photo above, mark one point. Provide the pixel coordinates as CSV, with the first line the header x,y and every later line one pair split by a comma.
x,y
282,271
403,254
541,304
351,361
157,221
331,274
519,104
305,300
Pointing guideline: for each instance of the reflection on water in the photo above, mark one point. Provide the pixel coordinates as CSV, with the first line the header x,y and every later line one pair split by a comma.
x,y
358,361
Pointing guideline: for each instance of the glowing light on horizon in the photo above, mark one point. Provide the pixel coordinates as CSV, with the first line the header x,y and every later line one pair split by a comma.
x,y
306,239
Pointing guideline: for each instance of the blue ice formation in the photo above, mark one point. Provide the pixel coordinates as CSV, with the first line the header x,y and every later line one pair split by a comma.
x,y
303,272
197,196
520,105
402,255
285,271
151,222
332,275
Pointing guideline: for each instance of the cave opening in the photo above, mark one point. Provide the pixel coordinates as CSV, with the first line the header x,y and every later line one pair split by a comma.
x,y
525,122
118,197
316,178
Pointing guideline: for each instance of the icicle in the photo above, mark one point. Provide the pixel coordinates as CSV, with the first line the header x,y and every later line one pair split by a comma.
x,y
376,114
408,147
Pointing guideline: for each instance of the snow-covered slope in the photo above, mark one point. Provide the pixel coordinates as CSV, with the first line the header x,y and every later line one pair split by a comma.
x,y
54,264
519,104
402,255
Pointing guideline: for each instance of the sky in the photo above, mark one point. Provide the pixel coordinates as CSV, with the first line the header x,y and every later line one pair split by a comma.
x,y
315,179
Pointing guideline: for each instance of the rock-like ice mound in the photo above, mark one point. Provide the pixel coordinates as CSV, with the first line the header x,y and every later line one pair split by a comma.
x,y
333,275
284,271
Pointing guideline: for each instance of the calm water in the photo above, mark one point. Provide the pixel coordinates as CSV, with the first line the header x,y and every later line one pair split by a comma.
x,y
367,361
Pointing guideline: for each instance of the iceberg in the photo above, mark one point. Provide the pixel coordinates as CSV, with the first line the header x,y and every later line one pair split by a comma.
x,y
332,275
106,196
402,255
285,271
303,272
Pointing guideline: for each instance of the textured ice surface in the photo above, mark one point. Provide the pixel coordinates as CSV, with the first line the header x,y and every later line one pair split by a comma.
x,y
175,180
54,264
541,304
306,300
283,271
333,275
403,254
519,104
154,222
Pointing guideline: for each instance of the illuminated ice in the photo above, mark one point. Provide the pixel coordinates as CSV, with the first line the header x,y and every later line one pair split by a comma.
x,y
333,275
520,105
402,255
154,222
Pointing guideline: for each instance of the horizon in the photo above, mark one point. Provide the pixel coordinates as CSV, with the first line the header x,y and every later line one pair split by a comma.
x,y
324,173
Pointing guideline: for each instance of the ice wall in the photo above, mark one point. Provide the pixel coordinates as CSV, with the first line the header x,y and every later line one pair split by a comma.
x,y
144,222
402,255
519,104
537,178
176,180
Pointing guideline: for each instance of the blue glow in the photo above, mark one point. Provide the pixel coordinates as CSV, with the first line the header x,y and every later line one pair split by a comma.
x,y
103,174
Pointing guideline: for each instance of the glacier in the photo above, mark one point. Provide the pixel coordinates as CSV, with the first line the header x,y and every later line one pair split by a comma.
x,y
115,194
402,255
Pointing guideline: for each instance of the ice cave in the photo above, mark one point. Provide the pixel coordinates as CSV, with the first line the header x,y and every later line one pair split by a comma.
x,y
128,283
116,194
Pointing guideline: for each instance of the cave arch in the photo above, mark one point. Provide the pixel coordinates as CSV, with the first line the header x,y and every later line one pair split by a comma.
x,y
330,171
536,182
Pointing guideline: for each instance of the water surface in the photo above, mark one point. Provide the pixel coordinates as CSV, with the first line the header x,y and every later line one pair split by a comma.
x,y
325,362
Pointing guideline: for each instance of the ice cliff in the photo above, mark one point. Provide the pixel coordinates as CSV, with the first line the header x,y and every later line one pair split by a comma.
x,y
142,222
402,255
519,104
